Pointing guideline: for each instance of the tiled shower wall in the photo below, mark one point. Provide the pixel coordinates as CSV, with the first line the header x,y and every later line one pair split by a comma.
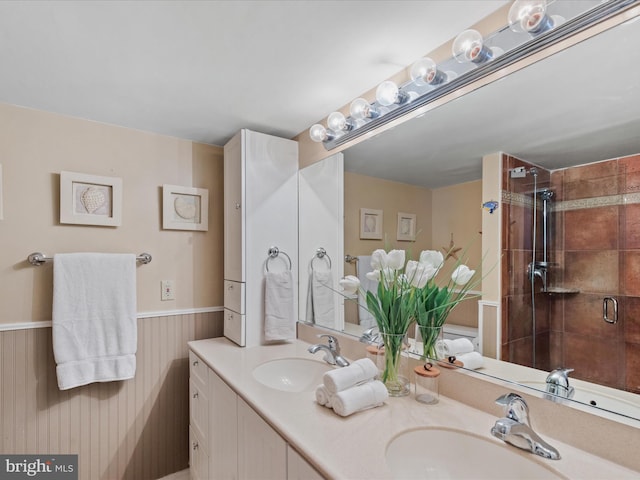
x,y
134,429
596,248
517,325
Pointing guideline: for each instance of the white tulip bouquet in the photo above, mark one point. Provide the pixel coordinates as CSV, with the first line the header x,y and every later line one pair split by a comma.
x,y
408,293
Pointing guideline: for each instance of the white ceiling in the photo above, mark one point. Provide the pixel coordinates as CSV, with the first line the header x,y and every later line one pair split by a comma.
x,y
202,70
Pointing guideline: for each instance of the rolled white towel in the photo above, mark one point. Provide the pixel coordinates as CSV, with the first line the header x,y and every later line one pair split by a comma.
x,y
323,397
340,379
472,360
361,397
454,347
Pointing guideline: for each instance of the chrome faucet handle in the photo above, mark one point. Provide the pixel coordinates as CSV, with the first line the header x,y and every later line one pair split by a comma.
x,y
515,407
332,342
560,376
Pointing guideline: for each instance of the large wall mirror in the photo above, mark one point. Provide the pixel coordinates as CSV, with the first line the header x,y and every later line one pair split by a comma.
x,y
570,119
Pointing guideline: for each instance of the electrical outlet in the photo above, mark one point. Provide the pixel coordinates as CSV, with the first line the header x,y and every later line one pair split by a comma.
x,y
168,290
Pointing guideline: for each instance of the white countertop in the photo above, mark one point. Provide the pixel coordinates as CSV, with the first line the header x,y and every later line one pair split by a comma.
x,y
354,447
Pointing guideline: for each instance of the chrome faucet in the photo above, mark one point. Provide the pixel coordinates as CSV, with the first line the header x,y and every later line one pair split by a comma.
x,y
371,336
516,430
558,383
332,351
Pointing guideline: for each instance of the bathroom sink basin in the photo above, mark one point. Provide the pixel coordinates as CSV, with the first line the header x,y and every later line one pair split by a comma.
x,y
291,374
447,454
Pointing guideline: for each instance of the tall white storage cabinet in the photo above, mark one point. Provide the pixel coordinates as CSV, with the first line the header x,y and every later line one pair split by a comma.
x,y
260,212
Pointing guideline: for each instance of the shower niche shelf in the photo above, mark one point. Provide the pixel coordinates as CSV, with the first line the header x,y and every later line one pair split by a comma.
x,y
562,291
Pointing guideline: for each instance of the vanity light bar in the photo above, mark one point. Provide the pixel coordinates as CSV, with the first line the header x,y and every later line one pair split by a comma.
x,y
517,45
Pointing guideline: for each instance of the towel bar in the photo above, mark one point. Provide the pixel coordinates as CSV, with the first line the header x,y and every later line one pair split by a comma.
x,y
273,253
321,253
38,258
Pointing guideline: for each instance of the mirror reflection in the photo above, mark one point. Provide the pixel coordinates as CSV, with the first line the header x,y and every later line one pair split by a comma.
x,y
570,188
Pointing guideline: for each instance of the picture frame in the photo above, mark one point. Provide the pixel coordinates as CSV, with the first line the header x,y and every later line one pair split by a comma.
x,y
406,227
90,199
370,224
185,208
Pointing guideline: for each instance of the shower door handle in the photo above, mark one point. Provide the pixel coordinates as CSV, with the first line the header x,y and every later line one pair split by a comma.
x,y
605,310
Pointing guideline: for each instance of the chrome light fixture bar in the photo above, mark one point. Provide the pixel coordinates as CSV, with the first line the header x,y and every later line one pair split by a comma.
x,y
557,20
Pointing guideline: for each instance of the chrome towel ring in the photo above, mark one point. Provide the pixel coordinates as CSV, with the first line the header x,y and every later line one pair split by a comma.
x,y
273,252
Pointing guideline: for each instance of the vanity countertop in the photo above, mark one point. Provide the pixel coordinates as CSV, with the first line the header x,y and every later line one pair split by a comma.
x,y
354,447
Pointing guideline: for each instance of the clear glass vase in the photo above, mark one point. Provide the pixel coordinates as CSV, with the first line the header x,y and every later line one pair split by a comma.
x,y
395,375
429,337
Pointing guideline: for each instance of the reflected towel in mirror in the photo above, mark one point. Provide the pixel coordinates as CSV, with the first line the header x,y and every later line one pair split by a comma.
x,y
320,299
363,267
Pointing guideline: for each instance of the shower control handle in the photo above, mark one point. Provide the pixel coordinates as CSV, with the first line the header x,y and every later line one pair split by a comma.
x,y
605,310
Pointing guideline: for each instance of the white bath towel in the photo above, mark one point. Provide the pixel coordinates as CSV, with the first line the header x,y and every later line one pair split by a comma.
x,y
94,318
364,266
323,397
454,347
355,399
320,299
279,318
471,360
340,379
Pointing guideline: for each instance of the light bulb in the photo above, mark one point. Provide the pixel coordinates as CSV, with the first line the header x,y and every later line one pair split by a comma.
x,y
469,47
529,16
426,71
361,109
318,133
338,123
388,93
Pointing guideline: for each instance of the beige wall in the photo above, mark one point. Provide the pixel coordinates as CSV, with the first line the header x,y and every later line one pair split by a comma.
x,y
35,146
361,191
440,212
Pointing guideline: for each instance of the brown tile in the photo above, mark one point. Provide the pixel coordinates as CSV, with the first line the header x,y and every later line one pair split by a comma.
x,y
592,358
519,323
631,167
591,229
631,320
591,271
542,352
542,312
505,213
557,232
520,223
520,352
556,313
557,184
518,277
593,180
556,354
632,362
631,226
506,273
631,272
583,315
504,322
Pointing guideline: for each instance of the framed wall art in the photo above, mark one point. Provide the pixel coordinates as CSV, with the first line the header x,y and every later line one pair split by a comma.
x,y
406,227
370,224
90,199
185,208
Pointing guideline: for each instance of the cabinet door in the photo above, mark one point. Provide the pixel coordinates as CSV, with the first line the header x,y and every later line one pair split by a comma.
x,y
234,209
198,460
298,468
223,429
262,453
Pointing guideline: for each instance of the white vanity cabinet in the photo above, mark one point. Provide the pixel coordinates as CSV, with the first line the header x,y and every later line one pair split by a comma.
x,y
229,440
260,211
